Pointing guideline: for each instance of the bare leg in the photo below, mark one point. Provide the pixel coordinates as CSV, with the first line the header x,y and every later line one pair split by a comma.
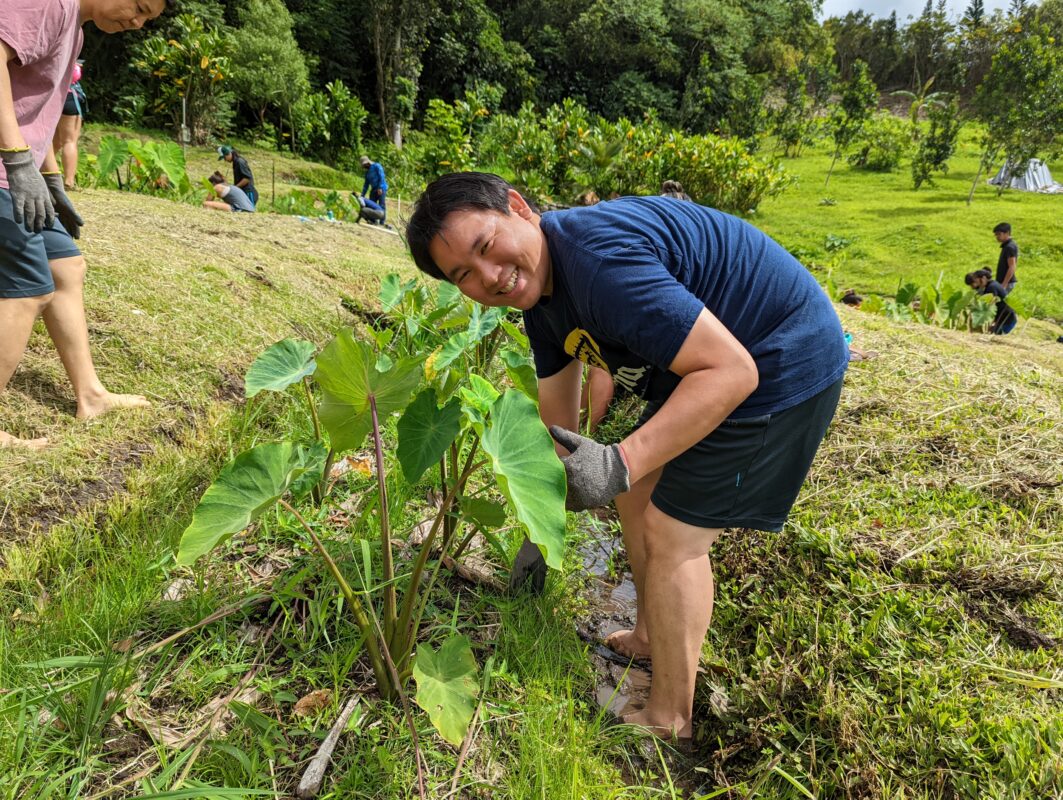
x,y
598,392
632,506
65,143
217,205
16,322
679,594
65,320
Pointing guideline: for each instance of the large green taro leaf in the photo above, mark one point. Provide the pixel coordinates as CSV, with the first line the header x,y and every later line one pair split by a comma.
x,y
528,470
425,433
347,374
393,289
447,687
248,485
279,366
113,153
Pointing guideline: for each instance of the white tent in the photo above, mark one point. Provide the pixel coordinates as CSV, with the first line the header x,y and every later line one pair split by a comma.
x,y
1036,178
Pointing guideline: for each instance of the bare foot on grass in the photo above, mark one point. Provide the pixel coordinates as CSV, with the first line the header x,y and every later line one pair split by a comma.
x,y
7,440
628,644
663,727
102,403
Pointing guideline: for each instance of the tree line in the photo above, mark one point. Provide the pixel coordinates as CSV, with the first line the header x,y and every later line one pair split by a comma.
x,y
312,75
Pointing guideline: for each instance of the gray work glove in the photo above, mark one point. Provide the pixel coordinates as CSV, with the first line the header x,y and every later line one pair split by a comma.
x,y
596,472
31,203
64,209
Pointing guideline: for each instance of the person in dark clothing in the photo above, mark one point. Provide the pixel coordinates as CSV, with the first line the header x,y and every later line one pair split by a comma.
x,y
242,177
67,133
1009,256
734,345
981,281
376,184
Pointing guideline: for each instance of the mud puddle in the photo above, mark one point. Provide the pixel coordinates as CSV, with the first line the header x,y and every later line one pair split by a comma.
x,y
609,592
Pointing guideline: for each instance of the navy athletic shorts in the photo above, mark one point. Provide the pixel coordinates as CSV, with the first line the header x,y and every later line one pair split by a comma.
x,y
24,255
747,472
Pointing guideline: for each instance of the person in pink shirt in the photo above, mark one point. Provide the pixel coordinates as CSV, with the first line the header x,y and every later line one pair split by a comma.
x,y
42,271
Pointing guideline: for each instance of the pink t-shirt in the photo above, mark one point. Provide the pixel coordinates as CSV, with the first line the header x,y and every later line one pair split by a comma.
x,y
46,37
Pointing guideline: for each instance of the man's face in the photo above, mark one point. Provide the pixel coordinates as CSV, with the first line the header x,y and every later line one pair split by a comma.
x,y
229,157
1002,236
115,16
980,282
494,258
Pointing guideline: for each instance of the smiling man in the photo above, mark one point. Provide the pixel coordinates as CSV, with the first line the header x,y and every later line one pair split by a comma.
x,y
42,271
735,346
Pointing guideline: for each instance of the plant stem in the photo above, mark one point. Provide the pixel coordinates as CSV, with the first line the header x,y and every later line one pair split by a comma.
x,y
322,487
360,616
388,565
313,408
832,162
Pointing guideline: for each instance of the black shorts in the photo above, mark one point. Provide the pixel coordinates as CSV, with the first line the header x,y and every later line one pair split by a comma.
x,y
747,472
72,106
24,255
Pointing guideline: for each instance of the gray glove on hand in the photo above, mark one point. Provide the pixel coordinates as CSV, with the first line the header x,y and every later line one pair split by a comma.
x,y
29,193
596,472
64,209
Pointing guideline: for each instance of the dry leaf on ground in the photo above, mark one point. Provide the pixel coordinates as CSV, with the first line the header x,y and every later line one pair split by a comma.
x,y
312,703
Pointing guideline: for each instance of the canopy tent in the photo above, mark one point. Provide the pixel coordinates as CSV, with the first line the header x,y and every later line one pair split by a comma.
x,y
1036,178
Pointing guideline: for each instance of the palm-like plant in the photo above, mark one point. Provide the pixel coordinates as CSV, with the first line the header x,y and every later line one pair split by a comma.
x,y
920,100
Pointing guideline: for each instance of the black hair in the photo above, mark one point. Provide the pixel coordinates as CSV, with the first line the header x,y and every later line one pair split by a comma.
x,y
970,277
458,191
851,298
1003,227
216,178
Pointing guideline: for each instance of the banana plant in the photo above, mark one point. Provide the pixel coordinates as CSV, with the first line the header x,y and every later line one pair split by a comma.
x,y
438,366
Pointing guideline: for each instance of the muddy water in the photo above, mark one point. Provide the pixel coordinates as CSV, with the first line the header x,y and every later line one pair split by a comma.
x,y
621,688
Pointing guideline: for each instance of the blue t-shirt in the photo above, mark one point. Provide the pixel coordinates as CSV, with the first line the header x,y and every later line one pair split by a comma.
x,y
374,178
631,276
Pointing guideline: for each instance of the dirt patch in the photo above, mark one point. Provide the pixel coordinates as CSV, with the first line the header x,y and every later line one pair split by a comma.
x,y
259,274
1019,629
1020,489
860,411
231,386
76,498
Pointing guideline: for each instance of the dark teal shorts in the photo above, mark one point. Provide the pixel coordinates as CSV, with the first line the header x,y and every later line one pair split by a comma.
x,y
24,255
747,472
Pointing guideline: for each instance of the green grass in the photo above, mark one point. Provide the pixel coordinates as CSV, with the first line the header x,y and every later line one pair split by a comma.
x,y
895,640
898,234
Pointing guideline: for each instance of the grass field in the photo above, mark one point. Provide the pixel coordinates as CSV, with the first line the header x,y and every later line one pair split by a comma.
x,y
885,232
899,639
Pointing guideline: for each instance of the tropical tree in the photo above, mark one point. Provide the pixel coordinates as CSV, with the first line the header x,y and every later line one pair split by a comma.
x,y
858,101
920,100
268,68
397,33
1021,101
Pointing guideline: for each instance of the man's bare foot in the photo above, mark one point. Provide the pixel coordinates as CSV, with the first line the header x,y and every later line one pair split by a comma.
x,y
102,403
628,644
662,726
7,440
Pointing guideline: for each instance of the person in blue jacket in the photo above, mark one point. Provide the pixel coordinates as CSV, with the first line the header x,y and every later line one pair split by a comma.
x,y
734,345
376,184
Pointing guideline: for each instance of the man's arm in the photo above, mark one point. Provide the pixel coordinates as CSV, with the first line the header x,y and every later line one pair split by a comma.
x,y
718,373
10,134
559,399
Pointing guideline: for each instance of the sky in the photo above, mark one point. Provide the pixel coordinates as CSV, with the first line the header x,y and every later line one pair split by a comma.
x,y
904,8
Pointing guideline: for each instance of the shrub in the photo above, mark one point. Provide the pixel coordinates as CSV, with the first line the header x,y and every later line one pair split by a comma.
x,y
328,125
937,147
882,143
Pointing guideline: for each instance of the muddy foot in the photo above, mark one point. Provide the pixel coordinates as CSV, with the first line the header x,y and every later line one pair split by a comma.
x,y
661,727
101,404
627,644
7,440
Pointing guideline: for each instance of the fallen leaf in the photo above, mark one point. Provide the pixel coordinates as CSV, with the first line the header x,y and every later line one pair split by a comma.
x,y
123,646
177,590
312,703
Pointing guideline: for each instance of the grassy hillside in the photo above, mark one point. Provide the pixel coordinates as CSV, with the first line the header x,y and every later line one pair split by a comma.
x,y
900,638
886,232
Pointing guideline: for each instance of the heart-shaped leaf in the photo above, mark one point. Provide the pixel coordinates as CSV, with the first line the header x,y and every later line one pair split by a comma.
x,y
248,485
485,513
347,373
279,366
447,686
477,400
528,470
425,433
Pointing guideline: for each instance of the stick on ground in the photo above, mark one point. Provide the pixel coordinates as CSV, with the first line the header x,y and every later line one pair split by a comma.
x,y
310,783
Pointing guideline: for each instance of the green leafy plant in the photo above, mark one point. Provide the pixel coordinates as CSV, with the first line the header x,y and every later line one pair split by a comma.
x,y
858,100
434,363
936,148
882,143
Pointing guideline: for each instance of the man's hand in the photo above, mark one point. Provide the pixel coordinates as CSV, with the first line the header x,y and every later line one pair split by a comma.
x,y
30,202
596,472
64,209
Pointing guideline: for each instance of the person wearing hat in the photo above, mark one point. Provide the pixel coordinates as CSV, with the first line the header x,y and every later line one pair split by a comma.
x,y
376,184
242,177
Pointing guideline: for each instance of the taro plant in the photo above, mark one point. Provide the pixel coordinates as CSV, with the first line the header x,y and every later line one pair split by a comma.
x,y
437,366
